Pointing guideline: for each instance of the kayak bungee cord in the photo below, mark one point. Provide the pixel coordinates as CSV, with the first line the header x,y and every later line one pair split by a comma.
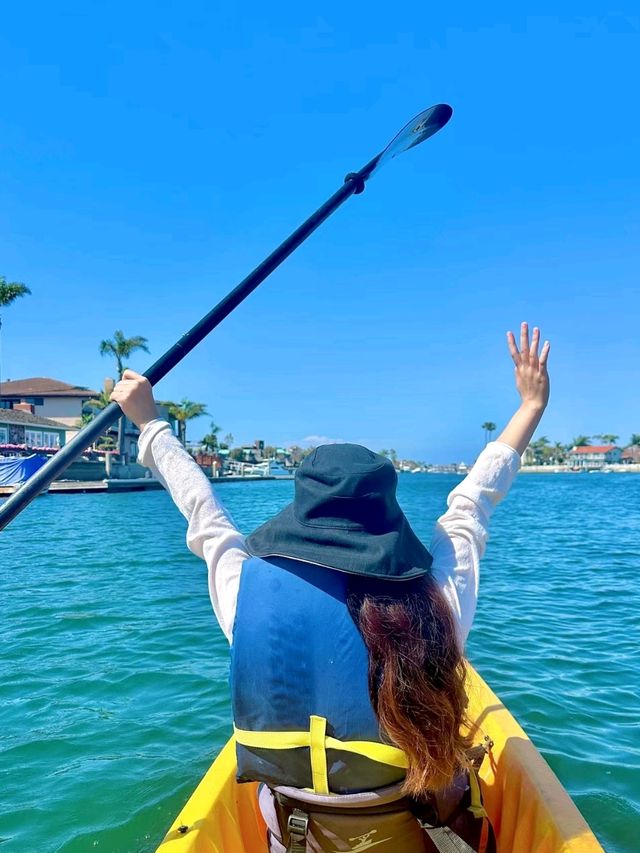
x,y
416,131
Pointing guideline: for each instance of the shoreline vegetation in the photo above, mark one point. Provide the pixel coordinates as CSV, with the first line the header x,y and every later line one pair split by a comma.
x,y
220,457
581,456
630,468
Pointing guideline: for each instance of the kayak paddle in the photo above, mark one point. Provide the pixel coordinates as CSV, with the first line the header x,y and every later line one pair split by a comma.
x,y
416,131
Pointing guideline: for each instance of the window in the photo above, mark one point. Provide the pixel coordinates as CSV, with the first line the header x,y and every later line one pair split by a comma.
x,y
41,438
51,439
35,401
4,435
33,438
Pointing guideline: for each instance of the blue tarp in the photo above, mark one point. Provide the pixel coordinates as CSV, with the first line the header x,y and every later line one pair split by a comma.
x,y
17,469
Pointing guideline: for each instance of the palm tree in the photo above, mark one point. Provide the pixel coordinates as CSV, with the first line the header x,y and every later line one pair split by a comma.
x,y
210,440
540,449
9,292
184,411
634,441
228,440
580,441
608,437
97,404
488,427
120,348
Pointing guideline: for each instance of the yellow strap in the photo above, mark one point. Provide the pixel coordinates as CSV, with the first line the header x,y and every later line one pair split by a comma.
x,y
317,733
271,740
380,752
476,808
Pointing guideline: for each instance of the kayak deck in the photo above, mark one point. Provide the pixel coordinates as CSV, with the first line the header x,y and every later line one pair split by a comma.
x,y
529,808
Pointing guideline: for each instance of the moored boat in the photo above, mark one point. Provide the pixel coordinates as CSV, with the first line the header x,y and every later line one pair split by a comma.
x,y
16,470
530,810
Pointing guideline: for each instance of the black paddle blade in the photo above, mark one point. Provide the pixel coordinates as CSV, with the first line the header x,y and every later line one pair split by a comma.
x,y
424,125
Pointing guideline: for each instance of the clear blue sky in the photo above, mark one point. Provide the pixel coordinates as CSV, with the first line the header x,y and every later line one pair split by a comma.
x,y
153,153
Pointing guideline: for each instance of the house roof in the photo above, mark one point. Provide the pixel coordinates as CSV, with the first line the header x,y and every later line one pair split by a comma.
x,y
40,386
15,416
593,448
631,452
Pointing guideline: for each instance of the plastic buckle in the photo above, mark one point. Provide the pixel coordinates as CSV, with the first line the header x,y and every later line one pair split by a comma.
x,y
487,744
298,824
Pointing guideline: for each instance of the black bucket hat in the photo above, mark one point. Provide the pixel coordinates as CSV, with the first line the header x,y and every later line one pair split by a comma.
x,y
345,516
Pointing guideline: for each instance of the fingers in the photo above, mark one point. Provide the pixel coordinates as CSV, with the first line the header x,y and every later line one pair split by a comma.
x,y
130,383
544,355
513,349
122,388
528,352
535,343
130,380
524,341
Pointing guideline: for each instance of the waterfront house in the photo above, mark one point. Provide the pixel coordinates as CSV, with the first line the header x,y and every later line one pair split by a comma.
x,y
22,431
631,455
49,398
53,399
592,457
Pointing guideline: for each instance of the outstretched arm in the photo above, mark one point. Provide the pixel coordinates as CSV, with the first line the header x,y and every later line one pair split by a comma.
x,y
211,533
461,534
532,382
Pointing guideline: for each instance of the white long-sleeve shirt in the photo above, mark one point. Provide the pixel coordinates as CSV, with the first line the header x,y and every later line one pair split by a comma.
x,y
457,545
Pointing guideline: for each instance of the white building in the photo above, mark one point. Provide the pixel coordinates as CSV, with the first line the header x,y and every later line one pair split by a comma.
x,y
592,457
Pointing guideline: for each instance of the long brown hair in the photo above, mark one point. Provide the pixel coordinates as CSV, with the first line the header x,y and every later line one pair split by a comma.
x,y
416,679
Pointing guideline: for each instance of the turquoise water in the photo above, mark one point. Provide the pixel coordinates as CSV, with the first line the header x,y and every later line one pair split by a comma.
x,y
113,695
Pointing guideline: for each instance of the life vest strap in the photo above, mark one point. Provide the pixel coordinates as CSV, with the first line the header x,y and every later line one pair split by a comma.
x,y
318,754
445,840
475,806
317,741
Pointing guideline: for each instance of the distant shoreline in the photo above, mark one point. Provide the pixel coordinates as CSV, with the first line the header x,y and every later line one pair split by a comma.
x,y
562,469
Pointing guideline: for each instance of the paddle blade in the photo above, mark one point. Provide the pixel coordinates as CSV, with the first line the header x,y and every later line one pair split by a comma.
x,y
424,125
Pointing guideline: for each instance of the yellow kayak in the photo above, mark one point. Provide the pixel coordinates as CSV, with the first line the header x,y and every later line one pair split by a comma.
x,y
530,810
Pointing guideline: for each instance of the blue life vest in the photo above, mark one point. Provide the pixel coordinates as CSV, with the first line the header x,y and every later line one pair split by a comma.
x,y
299,683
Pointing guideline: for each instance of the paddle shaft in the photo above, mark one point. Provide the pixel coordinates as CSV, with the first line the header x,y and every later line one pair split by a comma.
x,y
354,183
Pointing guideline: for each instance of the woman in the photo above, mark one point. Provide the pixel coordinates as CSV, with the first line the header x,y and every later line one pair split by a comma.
x,y
347,634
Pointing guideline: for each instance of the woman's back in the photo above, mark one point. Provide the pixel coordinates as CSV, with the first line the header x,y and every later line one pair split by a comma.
x,y
347,535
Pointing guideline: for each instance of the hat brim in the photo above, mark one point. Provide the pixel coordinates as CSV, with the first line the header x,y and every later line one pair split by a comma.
x,y
395,555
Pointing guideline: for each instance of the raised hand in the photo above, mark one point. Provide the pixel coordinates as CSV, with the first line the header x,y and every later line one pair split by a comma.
x,y
532,378
532,382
